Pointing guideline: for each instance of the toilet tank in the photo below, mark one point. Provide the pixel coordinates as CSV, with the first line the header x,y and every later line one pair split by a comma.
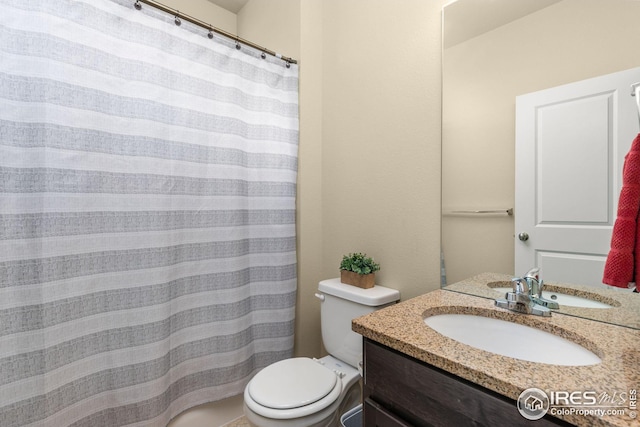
x,y
342,303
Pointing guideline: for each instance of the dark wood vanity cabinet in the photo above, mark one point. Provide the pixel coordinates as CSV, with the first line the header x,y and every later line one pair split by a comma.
x,y
401,391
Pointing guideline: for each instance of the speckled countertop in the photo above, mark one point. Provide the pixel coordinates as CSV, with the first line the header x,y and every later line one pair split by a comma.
x,y
401,327
626,304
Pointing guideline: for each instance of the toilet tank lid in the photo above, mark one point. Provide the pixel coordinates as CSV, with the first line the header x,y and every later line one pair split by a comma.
x,y
375,296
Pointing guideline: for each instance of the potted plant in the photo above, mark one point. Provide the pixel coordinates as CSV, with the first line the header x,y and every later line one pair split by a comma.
x,y
359,270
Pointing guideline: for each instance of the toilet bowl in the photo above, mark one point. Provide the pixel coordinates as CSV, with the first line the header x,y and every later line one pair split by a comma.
x,y
305,392
309,393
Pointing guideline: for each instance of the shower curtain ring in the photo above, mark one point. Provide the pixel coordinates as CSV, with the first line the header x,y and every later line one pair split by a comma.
x,y
137,5
238,45
210,35
177,20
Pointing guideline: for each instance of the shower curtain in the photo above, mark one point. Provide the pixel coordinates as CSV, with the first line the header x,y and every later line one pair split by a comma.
x,y
147,214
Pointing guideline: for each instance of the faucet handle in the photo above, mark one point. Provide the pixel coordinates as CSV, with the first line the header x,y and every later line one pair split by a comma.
x,y
535,283
534,273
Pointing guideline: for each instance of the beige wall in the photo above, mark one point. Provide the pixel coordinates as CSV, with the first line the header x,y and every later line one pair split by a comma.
x,y
205,11
569,41
381,138
309,216
292,28
369,156
369,165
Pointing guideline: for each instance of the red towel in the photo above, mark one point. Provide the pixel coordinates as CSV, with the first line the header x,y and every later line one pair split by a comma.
x,y
623,262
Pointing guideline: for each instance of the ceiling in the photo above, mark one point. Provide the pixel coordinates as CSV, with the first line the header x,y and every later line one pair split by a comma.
x,y
466,19
230,5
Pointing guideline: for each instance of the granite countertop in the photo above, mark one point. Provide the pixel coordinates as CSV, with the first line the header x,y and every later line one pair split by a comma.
x,y
626,304
402,328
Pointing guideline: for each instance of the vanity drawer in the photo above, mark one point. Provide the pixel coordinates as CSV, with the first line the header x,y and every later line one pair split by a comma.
x,y
378,416
423,395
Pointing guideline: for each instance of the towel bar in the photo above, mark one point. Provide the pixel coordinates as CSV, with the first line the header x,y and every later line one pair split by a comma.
x,y
481,212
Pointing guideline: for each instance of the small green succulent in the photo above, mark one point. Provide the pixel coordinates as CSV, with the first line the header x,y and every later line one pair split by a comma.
x,y
359,263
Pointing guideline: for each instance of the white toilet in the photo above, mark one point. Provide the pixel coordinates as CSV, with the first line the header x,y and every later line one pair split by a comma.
x,y
304,392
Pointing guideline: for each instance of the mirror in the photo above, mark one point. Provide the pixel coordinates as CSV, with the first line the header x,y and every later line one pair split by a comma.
x,y
493,51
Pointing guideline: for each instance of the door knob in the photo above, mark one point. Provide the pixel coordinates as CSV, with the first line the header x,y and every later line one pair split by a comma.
x,y
523,236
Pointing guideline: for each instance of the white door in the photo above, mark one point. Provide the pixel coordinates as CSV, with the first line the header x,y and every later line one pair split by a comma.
x,y
570,146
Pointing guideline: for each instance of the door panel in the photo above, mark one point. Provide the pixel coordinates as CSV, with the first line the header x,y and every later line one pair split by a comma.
x,y
571,267
573,149
570,146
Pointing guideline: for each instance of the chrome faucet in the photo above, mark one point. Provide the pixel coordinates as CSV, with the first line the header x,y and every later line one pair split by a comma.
x,y
536,284
526,296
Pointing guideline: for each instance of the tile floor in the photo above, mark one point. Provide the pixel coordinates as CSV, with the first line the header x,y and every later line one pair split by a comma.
x,y
240,422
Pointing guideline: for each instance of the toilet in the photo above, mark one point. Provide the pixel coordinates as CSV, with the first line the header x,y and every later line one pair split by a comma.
x,y
306,392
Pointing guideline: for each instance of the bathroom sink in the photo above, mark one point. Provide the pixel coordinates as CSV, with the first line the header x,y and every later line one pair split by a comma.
x,y
511,339
563,299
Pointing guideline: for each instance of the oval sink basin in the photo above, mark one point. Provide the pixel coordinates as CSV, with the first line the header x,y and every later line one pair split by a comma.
x,y
511,339
564,299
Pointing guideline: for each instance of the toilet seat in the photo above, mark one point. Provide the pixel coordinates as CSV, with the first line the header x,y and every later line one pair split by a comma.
x,y
304,387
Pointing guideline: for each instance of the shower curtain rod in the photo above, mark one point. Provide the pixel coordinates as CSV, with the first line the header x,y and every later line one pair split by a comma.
x,y
211,28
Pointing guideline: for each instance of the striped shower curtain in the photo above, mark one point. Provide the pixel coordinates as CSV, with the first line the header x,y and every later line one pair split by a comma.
x,y
147,214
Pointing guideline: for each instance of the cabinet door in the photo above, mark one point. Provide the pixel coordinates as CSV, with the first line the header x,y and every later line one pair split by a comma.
x,y
376,416
404,388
